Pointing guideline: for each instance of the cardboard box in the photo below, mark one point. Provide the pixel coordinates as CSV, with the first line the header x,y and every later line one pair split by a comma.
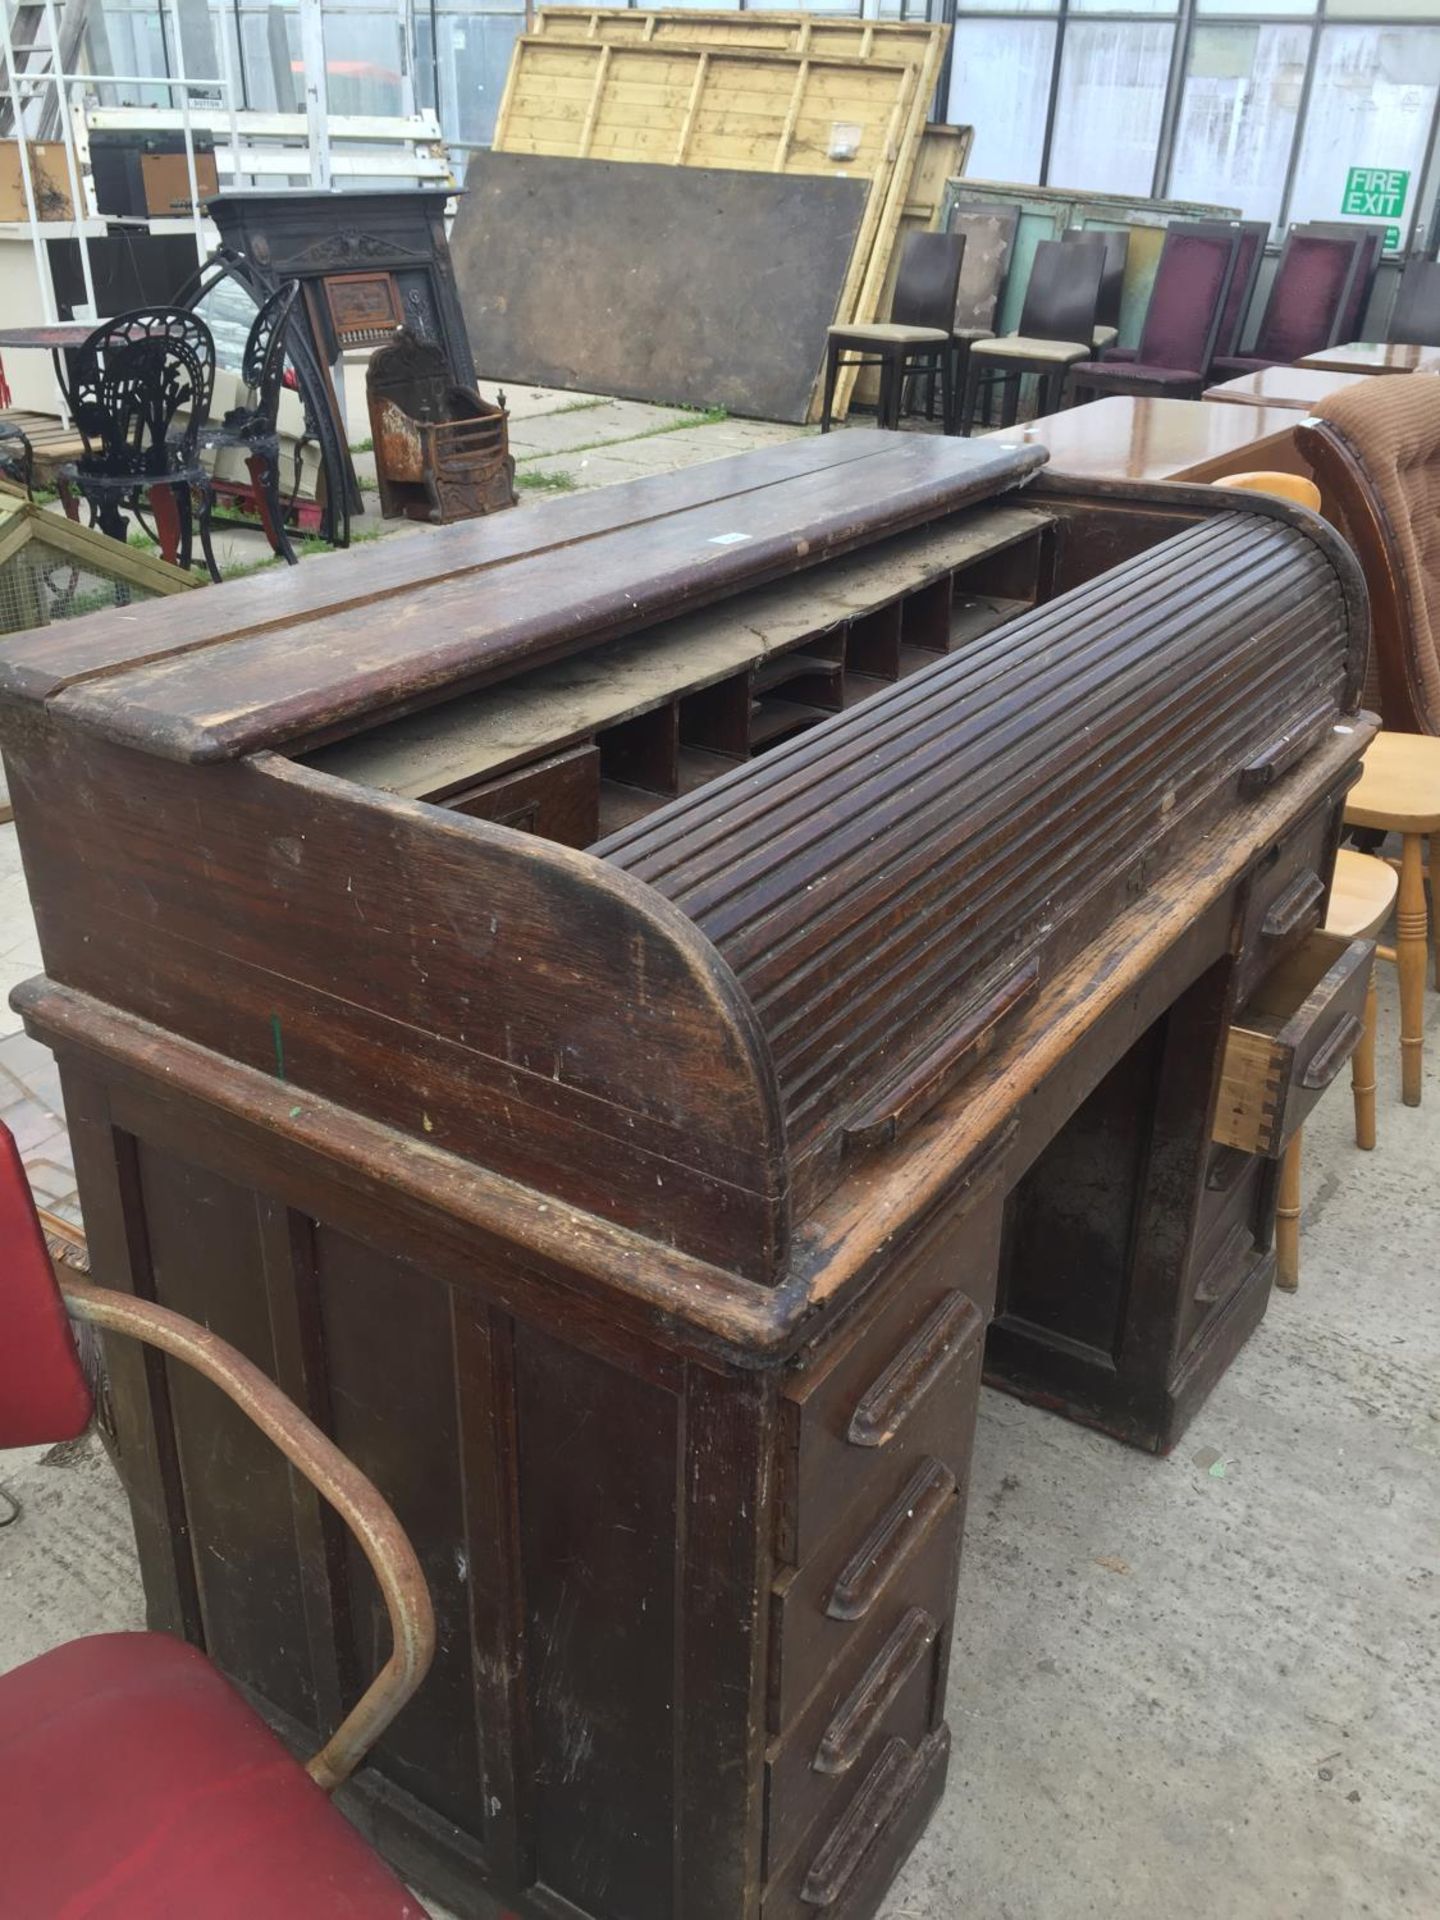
x,y
49,178
166,180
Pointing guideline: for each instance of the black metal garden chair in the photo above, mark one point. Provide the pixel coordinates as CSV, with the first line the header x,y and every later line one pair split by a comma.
x,y
17,456
253,430
132,381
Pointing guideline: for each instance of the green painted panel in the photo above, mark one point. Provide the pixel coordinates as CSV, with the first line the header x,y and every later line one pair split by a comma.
x,y
1048,212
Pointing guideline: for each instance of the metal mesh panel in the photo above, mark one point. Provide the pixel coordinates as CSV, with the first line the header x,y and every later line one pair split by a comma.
x,y
41,583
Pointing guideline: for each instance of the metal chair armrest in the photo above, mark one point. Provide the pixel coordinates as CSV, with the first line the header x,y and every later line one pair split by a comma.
x,y
310,1452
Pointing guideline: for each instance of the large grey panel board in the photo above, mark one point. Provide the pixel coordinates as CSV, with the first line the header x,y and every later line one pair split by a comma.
x,y
684,285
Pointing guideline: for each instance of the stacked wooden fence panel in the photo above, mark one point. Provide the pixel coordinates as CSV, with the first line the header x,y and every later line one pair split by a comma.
x,y
783,93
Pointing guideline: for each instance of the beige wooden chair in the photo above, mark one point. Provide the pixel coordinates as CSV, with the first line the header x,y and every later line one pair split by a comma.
x,y
1361,898
1399,792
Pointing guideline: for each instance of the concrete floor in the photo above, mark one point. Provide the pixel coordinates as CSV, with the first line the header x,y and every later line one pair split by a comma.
x,y
1204,1688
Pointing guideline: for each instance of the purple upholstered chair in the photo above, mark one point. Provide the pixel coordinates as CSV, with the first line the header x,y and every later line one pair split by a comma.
x,y
1362,281
1182,322
1251,236
1309,298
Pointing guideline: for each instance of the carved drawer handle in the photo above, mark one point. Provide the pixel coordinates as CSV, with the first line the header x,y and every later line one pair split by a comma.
x,y
901,1532
886,1405
1293,907
875,1806
910,1095
1348,1034
844,1740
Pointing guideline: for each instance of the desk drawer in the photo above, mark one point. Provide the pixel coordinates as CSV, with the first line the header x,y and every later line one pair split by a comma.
x,y
905,1390
858,1588
890,1692
1287,895
845,1874
899,1384
1290,1042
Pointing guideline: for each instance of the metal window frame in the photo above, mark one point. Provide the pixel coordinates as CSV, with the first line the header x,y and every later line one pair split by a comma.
x,y
1420,230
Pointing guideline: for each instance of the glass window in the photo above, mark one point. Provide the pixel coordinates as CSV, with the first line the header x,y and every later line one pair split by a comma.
x,y
1381,9
1371,106
1237,117
1000,85
138,45
1124,6
364,62
1008,6
473,60
270,47
1256,6
1113,77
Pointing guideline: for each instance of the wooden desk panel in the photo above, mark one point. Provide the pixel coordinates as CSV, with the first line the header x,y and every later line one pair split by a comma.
x,y
1299,387
1125,438
1372,356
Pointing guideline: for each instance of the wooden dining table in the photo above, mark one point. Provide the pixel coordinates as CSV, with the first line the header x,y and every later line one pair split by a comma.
x,y
1125,437
1375,356
1298,387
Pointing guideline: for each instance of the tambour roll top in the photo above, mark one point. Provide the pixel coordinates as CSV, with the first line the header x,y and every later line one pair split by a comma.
x,y
889,887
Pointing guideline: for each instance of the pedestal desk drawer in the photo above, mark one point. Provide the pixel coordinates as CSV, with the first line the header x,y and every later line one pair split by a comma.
x,y
854,1861
859,1587
1286,896
900,1383
1290,1042
890,1692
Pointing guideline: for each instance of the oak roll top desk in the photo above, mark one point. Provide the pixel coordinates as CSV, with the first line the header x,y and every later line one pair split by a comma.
x,y
607,1006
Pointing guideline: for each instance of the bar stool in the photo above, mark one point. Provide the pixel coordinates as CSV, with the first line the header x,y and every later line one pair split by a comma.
x,y
1361,897
1399,792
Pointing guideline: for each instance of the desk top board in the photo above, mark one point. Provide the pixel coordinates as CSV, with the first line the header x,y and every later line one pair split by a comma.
x,y
1125,438
1298,387
315,651
1375,356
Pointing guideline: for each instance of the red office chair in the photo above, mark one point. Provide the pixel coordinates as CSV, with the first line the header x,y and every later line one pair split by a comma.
x,y
136,1783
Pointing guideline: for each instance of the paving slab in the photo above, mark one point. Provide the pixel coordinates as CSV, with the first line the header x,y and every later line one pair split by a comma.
x,y
661,452
589,425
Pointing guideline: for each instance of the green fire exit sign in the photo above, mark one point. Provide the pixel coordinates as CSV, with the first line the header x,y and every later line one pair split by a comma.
x,y
1375,193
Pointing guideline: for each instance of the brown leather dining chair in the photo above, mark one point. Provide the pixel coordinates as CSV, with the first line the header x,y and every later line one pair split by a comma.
x,y
1375,452
1057,324
1115,245
916,339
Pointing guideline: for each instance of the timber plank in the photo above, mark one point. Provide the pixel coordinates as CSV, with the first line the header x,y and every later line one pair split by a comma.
x,y
36,665
320,677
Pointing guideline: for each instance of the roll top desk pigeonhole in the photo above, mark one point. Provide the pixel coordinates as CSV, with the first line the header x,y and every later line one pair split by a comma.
x,y
607,1006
